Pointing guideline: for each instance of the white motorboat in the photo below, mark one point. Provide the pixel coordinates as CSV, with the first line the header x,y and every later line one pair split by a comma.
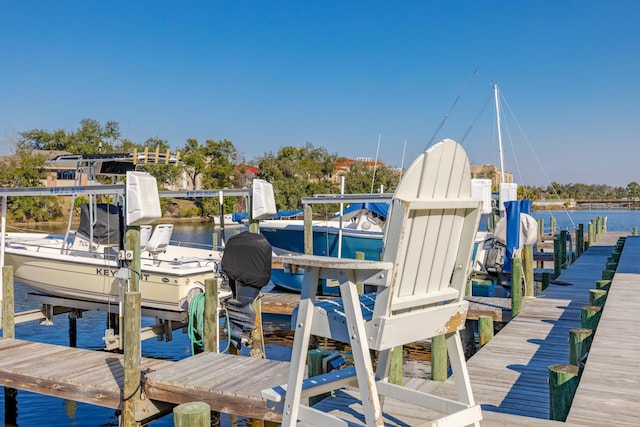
x,y
91,263
79,268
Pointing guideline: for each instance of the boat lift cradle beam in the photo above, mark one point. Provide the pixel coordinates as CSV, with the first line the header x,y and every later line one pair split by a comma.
x,y
347,198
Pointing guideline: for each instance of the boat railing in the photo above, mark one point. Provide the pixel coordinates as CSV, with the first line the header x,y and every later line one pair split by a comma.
x,y
194,245
347,198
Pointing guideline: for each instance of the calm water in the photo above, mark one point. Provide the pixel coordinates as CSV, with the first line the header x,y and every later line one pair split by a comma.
x,y
37,410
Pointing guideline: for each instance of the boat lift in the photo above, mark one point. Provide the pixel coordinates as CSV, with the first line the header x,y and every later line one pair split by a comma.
x,y
166,321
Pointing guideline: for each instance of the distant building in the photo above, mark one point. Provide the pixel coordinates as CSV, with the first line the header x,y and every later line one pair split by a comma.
x,y
490,172
343,166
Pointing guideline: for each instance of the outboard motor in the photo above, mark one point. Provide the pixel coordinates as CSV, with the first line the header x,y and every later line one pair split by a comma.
x,y
246,262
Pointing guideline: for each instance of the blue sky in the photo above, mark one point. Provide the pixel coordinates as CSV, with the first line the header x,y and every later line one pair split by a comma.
x,y
341,75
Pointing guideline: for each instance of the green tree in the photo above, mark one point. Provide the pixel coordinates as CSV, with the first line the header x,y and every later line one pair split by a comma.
x,y
298,172
633,189
220,161
26,169
90,138
194,158
360,178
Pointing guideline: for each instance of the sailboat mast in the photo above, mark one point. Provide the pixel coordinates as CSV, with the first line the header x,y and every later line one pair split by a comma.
x,y
497,96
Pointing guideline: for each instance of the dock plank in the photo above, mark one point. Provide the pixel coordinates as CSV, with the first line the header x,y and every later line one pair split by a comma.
x,y
611,378
229,389
93,377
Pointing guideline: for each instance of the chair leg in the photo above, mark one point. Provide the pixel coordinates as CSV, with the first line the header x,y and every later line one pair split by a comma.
x,y
299,351
361,355
459,367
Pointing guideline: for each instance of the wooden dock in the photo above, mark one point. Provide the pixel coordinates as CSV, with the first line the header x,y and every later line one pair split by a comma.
x,y
509,374
94,377
609,390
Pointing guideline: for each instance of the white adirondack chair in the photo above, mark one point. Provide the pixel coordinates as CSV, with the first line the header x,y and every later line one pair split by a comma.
x,y
421,280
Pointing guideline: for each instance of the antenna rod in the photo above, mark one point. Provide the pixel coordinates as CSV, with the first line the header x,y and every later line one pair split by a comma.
x,y
404,149
375,165
496,95
446,116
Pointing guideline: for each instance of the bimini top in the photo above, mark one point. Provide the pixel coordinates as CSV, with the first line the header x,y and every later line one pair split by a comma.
x,y
112,163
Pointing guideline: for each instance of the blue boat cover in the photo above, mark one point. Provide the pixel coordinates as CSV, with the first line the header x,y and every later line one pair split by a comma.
x,y
241,216
379,208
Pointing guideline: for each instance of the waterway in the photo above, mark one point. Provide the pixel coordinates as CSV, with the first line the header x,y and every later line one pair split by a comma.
x,y
38,410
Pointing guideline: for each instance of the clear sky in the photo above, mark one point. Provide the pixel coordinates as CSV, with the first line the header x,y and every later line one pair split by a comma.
x,y
342,75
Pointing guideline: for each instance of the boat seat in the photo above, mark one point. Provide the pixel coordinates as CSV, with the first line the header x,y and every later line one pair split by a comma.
x,y
159,240
145,234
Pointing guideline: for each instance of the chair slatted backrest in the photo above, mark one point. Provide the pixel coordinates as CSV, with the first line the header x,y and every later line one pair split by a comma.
x,y
430,231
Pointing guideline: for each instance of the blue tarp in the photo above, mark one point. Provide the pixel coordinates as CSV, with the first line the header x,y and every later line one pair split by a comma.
x,y
241,216
287,214
379,208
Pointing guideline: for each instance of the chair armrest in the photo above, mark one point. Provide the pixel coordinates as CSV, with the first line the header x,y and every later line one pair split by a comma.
x,y
365,271
334,262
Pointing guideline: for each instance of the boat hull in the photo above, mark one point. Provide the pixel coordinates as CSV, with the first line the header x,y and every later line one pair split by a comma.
x,y
164,284
290,237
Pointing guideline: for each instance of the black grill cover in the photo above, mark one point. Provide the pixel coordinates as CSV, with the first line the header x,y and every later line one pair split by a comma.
x,y
247,259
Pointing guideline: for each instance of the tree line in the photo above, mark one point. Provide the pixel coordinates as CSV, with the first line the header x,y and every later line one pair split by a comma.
x,y
295,172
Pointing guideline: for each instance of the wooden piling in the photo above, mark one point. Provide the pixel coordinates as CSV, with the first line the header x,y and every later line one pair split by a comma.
x,y
359,285
73,329
563,383
597,297
546,280
395,370
314,365
564,257
485,329
603,284
132,352
557,258
211,340
590,316
516,286
439,359
540,229
527,262
8,331
308,230
192,414
8,320
131,330
608,274
579,240
579,344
